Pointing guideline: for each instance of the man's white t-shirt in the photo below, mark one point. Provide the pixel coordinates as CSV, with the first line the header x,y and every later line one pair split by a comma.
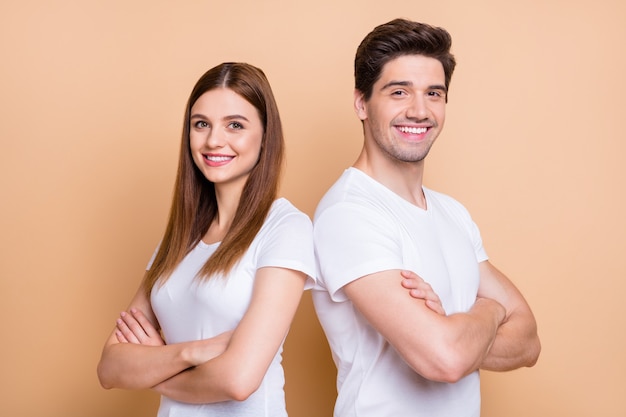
x,y
360,228
190,309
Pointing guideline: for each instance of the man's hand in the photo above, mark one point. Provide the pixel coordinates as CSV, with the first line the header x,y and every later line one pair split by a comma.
x,y
421,290
134,327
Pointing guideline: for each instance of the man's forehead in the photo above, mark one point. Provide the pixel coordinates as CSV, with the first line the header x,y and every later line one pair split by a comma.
x,y
411,68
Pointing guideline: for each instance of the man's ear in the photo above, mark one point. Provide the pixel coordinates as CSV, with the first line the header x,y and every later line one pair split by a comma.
x,y
360,106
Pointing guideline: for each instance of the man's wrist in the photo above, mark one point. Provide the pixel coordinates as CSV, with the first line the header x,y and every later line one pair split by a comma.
x,y
498,311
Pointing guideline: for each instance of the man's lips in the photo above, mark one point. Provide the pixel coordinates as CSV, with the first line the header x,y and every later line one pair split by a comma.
x,y
413,130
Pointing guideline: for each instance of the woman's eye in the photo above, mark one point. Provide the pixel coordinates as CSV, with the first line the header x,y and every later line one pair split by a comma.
x,y
201,124
235,125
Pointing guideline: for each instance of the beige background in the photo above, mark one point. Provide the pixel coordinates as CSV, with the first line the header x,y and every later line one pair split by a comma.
x,y
91,101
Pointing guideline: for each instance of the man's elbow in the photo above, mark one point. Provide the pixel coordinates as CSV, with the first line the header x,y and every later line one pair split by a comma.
x,y
450,374
533,352
531,347
448,366
454,370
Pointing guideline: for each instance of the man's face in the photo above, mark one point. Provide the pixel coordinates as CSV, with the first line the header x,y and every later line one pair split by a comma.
x,y
406,110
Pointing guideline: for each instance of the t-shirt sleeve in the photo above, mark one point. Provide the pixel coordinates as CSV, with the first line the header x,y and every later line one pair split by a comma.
x,y
289,244
477,241
153,257
352,241
463,218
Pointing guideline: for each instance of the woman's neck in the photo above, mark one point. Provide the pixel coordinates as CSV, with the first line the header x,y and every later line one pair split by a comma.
x,y
227,204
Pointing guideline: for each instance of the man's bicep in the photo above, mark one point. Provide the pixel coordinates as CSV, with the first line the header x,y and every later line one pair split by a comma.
x,y
406,323
496,286
350,244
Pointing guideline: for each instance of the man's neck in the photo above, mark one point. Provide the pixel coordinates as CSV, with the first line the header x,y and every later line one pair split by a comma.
x,y
403,178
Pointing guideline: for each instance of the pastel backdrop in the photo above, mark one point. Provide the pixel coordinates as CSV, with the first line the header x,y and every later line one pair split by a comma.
x,y
91,102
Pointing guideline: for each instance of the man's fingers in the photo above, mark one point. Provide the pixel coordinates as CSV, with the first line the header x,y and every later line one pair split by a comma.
x,y
420,289
410,275
436,307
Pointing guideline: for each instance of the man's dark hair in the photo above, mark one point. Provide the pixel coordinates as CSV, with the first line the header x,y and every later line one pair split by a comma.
x,y
397,38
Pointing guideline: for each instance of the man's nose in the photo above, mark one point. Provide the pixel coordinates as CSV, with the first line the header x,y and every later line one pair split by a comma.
x,y
418,108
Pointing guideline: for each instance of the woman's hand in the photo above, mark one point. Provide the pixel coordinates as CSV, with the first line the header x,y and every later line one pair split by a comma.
x,y
134,327
202,351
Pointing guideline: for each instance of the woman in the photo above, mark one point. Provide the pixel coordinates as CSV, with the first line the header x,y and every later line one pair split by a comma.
x,y
226,280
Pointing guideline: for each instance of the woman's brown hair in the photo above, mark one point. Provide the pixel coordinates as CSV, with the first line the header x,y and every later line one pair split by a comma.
x,y
194,205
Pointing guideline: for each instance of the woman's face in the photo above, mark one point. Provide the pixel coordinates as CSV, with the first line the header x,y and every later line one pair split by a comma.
x,y
225,136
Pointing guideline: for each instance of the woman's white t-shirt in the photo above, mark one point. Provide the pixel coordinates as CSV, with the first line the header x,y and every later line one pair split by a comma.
x,y
191,309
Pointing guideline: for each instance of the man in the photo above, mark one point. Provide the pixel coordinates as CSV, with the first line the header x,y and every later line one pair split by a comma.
x,y
409,343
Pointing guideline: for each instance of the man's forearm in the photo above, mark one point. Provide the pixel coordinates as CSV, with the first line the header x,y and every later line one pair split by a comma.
x,y
516,345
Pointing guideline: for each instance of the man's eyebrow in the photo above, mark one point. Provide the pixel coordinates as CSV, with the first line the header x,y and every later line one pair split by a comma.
x,y
438,87
394,83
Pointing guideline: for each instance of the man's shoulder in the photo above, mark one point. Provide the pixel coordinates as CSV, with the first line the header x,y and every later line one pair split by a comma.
x,y
352,191
442,199
441,204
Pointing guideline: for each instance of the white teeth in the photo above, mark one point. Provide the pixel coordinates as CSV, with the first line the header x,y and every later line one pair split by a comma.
x,y
218,158
413,130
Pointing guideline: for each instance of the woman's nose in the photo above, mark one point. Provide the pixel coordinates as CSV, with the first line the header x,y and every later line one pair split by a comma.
x,y
215,139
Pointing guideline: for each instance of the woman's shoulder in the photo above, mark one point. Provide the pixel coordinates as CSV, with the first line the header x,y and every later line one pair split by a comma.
x,y
284,213
283,207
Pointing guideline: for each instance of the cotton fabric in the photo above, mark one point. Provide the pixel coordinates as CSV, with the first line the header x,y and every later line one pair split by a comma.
x,y
191,309
360,228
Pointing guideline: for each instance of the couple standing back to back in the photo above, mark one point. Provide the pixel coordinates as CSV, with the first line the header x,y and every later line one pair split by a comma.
x,y
410,304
